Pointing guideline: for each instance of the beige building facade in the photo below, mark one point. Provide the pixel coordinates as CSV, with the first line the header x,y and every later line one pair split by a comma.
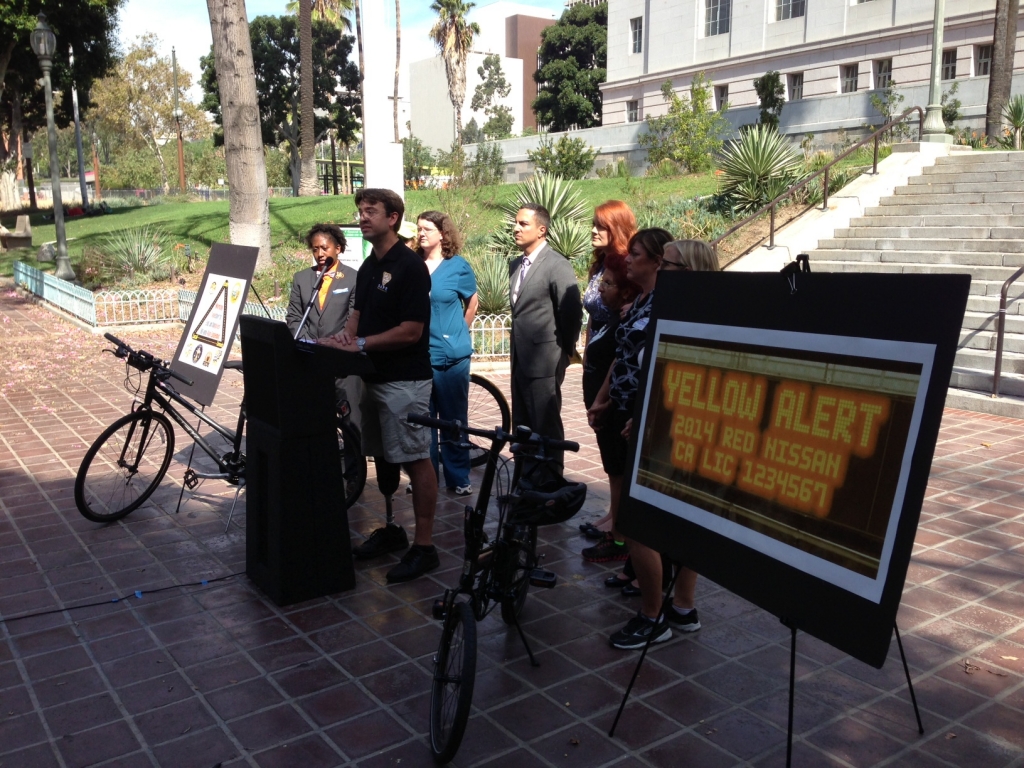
x,y
833,55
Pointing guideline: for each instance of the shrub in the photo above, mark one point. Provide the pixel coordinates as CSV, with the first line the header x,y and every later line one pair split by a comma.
x,y
887,104
488,166
491,281
569,233
138,252
685,218
1013,113
758,168
771,94
617,170
568,158
691,131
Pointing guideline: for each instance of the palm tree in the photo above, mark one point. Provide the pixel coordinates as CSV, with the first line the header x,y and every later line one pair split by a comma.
x,y
398,58
453,36
332,11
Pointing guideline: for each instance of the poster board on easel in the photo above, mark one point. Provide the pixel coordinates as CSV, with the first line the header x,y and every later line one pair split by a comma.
x,y
205,344
782,439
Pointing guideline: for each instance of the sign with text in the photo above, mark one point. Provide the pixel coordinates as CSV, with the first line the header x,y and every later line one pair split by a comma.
x,y
798,456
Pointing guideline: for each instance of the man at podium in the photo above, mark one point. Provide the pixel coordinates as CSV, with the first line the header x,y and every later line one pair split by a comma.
x,y
390,323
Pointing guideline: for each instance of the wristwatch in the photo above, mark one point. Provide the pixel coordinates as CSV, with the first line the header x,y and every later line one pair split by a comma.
x,y
361,343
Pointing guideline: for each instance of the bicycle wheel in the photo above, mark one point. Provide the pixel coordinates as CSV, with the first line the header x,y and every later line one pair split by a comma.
x,y
516,576
488,408
353,463
124,466
452,690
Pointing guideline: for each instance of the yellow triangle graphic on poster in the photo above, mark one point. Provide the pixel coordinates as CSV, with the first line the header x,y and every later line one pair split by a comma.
x,y
213,328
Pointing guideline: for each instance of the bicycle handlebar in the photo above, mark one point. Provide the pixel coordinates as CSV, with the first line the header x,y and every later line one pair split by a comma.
x,y
143,360
497,433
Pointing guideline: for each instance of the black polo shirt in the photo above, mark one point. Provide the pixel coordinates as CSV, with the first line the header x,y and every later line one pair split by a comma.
x,y
389,292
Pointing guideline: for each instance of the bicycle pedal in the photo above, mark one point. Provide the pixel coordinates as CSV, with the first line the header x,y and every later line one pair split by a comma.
x,y
541,578
191,479
438,609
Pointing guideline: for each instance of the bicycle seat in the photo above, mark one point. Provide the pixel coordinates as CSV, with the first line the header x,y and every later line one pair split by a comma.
x,y
553,502
233,364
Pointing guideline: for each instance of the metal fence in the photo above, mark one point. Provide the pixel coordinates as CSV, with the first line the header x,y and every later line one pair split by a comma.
x,y
490,335
136,307
188,298
69,297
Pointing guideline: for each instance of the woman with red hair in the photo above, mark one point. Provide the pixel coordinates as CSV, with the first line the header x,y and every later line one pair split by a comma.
x,y
614,225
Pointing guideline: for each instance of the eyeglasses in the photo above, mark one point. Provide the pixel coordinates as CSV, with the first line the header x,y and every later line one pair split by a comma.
x,y
677,265
607,283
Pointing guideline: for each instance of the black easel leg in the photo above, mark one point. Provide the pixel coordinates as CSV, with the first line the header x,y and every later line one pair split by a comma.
x,y
664,605
910,685
792,688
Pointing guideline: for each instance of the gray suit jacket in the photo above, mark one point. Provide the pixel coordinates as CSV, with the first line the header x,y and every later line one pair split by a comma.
x,y
546,318
335,313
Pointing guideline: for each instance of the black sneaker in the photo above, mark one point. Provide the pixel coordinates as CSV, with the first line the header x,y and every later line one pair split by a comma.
x,y
417,561
390,538
607,551
684,622
637,631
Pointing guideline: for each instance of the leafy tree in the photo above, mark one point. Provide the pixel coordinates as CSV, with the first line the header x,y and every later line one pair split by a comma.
x,y
453,36
951,107
275,47
417,160
569,158
690,133
249,208
493,84
137,101
488,166
86,26
471,133
771,93
887,104
573,56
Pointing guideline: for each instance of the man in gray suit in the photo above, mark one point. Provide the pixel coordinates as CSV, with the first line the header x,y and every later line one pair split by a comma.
x,y
547,313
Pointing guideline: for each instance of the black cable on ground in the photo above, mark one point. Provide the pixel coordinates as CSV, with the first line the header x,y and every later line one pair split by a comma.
x,y
136,594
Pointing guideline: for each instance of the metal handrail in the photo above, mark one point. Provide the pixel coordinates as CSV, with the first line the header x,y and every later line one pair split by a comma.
x,y
1002,326
801,184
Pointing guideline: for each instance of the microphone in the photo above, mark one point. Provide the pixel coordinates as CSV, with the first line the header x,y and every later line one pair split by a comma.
x,y
329,265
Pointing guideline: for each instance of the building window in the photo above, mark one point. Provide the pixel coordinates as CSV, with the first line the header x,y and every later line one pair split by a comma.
x,y
789,9
983,61
632,111
636,31
883,73
716,17
795,83
848,83
949,64
721,97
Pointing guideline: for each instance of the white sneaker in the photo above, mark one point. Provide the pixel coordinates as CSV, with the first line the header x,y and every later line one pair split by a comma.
x,y
464,490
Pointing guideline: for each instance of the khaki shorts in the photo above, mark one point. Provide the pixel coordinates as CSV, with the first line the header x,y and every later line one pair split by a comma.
x,y
385,432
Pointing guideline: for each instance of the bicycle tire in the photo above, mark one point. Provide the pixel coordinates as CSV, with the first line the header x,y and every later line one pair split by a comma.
x,y
106,489
451,692
353,463
517,575
488,408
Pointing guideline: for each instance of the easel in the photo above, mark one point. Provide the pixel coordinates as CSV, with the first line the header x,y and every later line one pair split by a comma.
x,y
792,670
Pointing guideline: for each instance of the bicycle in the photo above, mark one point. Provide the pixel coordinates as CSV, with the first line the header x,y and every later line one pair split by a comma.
x,y
487,405
497,572
126,463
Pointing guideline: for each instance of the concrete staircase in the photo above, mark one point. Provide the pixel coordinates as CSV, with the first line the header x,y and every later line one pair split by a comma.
x,y
963,214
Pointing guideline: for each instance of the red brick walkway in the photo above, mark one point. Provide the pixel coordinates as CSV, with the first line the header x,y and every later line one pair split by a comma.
x,y
218,675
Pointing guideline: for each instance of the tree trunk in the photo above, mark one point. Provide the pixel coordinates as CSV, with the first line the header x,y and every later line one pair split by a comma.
x,y
1004,43
151,143
9,199
249,211
398,58
308,184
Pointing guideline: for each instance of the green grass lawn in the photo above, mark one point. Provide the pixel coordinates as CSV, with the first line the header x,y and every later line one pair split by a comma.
x,y
201,224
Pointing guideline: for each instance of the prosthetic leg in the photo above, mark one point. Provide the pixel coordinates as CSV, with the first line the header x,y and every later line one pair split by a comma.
x,y
392,537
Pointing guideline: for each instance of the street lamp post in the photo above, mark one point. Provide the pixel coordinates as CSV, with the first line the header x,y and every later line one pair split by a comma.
x,y
934,130
178,114
44,43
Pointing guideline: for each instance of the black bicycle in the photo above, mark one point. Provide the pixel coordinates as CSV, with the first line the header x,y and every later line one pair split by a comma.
x,y
487,405
495,572
126,463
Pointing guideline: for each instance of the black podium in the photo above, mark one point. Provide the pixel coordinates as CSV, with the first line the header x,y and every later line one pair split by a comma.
x,y
297,538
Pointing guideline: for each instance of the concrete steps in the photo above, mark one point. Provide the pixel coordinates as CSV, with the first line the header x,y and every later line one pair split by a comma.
x,y
963,214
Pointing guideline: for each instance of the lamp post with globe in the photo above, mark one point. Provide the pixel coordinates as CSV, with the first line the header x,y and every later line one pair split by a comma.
x,y
44,43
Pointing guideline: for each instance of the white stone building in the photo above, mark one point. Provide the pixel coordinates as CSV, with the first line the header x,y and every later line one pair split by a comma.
x,y
833,54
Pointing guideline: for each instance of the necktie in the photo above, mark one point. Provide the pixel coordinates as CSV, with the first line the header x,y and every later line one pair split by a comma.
x,y
522,275
325,286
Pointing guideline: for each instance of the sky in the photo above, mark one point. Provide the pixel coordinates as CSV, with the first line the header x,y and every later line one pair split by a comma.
x,y
185,25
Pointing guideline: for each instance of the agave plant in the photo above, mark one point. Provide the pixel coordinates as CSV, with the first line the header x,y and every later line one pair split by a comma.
x,y
136,251
491,282
569,233
758,167
1013,113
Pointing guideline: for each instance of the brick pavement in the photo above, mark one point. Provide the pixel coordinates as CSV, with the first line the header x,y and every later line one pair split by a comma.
x,y
218,675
